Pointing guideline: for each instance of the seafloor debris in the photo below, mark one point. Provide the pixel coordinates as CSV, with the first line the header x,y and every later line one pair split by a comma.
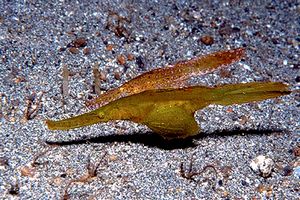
x,y
262,166
199,176
97,79
207,40
65,85
91,174
33,105
117,24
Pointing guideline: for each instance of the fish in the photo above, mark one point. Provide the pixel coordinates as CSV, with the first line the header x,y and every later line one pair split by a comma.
x,y
171,76
170,112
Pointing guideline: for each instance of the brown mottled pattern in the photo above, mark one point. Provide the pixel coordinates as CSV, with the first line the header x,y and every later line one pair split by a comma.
x,y
173,76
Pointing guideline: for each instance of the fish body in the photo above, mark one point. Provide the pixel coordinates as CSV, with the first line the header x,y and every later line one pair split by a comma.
x,y
172,76
170,112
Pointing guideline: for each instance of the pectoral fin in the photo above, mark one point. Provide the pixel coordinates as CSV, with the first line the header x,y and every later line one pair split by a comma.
x,y
172,122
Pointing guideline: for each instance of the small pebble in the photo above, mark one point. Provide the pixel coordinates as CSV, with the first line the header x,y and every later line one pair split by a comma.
x,y
296,151
3,162
262,166
297,172
247,67
113,158
266,190
27,171
140,62
86,51
109,47
229,110
117,75
225,73
121,59
73,50
243,120
103,76
220,183
79,42
287,171
226,29
207,40
130,57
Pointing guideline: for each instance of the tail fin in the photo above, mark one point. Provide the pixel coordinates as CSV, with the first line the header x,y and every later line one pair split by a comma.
x,y
75,122
247,92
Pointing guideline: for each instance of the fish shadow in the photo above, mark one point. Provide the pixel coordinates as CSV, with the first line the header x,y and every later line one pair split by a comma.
x,y
151,139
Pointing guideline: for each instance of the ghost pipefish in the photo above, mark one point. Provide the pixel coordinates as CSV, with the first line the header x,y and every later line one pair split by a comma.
x,y
172,76
170,112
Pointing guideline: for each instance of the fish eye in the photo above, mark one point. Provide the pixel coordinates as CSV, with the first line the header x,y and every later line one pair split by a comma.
x,y
101,115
